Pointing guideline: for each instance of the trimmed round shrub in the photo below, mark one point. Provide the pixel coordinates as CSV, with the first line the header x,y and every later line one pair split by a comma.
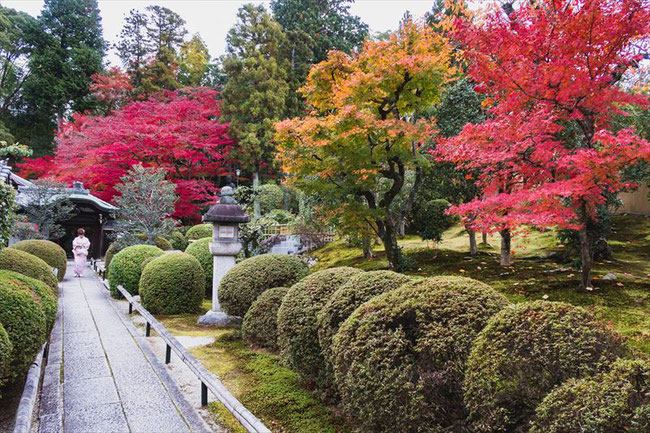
x,y
260,325
199,231
158,241
28,264
399,358
616,401
126,267
523,353
48,251
201,251
251,277
271,197
359,289
298,327
47,298
5,356
24,320
178,241
108,256
172,284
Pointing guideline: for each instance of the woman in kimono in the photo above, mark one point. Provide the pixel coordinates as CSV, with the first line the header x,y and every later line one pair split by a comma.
x,y
80,247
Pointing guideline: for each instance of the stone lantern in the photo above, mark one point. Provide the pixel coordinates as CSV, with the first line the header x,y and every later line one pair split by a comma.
x,y
225,217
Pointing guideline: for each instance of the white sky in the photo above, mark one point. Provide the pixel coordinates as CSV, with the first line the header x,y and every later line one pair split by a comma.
x,y
213,18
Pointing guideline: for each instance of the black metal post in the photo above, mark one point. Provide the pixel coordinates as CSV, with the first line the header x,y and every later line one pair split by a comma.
x,y
204,394
148,330
131,309
168,354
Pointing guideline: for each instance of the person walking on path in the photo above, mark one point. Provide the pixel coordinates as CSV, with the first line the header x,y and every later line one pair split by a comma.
x,y
80,247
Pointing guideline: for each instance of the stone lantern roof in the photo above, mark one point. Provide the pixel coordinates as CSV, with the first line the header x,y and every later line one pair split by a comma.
x,y
226,210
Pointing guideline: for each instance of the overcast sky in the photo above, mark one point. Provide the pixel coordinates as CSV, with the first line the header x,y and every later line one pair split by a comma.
x,y
213,18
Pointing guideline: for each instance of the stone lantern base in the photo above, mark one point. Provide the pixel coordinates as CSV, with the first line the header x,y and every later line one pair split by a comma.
x,y
218,318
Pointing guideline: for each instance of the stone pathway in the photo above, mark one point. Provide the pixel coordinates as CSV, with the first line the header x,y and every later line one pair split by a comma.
x,y
111,383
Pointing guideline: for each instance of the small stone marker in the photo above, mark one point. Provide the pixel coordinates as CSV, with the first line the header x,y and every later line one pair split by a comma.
x,y
610,277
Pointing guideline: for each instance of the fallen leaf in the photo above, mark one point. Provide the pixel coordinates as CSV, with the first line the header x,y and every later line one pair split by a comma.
x,y
545,297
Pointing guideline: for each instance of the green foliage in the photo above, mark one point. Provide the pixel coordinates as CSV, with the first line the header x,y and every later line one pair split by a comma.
x,y
359,289
126,267
199,231
172,284
616,401
27,264
251,236
46,297
201,251
523,353
7,214
47,204
251,277
430,221
48,251
158,241
399,358
177,240
280,216
23,318
271,197
298,327
260,325
193,62
6,349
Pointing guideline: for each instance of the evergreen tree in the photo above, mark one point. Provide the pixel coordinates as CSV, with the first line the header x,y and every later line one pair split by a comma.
x,y
254,96
133,46
194,62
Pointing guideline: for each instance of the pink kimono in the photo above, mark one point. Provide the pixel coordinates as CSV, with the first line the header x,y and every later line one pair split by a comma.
x,y
80,247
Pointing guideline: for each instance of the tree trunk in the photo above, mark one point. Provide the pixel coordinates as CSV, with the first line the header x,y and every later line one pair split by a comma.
x,y
257,208
484,241
367,248
585,256
473,248
401,228
505,247
393,253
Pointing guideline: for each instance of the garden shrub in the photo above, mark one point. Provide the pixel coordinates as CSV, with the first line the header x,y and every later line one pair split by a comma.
x,y
24,320
48,251
249,278
616,401
260,325
126,267
201,251
172,284
298,328
399,358
280,216
271,197
177,240
12,259
523,353
158,241
108,256
359,289
47,298
199,231
5,356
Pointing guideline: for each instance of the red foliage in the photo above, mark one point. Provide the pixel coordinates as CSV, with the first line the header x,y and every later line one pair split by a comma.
x,y
545,154
112,90
177,131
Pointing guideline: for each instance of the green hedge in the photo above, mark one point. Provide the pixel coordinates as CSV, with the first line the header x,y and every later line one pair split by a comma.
x,y
47,297
158,241
616,401
199,231
6,349
524,352
28,264
172,284
251,277
201,251
48,251
298,328
260,325
399,358
177,240
24,320
126,267
359,289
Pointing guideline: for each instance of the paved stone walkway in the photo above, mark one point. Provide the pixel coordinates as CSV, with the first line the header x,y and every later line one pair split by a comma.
x,y
109,383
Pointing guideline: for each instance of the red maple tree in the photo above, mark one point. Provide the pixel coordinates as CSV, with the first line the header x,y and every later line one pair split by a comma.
x,y
546,153
179,132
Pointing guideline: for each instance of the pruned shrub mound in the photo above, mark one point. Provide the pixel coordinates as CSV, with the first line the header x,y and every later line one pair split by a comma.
x,y
178,240
28,264
298,327
251,277
48,251
616,401
23,318
47,298
172,284
126,267
201,251
260,325
199,231
523,353
158,241
5,356
359,289
108,256
399,358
